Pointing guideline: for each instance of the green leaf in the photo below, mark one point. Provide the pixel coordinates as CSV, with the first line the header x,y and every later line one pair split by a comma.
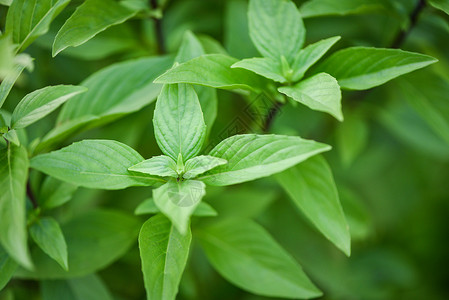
x,y
252,156
316,8
89,287
164,252
22,61
28,19
149,207
212,70
442,5
98,164
361,68
7,49
178,122
310,55
40,103
55,193
352,137
13,177
7,268
94,239
48,236
190,48
113,92
266,67
12,136
177,200
89,19
246,255
6,2
158,165
276,28
312,188
200,164
320,92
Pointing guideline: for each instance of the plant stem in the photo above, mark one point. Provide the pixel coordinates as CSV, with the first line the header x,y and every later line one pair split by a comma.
x,y
31,195
402,35
271,115
158,29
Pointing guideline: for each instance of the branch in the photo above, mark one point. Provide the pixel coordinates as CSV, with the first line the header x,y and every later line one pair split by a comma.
x,y
31,195
402,35
158,29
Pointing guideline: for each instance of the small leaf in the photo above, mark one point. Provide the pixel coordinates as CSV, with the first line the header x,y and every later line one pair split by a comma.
x,y
247,256
149,207
7,268
320,92
40,103
164,252
200,164
26,20
48,236
252,156
312,188
55,193
98,164
316,8
178,122
13,177
190,48
310,55
266,67
158,165
89,19
12,136
22,61
212,70
178,200
361,68
276,28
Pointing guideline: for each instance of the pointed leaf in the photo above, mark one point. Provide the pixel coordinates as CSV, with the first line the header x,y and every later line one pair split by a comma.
x,y
246,255
310,55
200,164
312,188
48,236
164,252
12,136
40,103
276,28
178,200
178,122
28,19
13,177
361,68
212,70
89,19
98,164
320,92
266,67
252,156
158,165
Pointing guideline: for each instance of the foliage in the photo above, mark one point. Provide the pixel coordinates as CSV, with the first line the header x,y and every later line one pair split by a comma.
x,y
233,190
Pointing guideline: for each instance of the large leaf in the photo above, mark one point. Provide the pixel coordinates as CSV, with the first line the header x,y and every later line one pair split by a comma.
x,y
212,70
177,200
89,287
22,61
361,68
178,122
40,103
48,236
276,28
7,268
13,178
312,188
315,8
252,156
158,165
89,19
310,55
246,255
28,19
164,252
319,92
99,164
114,91
94,239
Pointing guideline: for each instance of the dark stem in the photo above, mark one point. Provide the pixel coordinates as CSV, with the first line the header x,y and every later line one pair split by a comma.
x,y
271,115
400,38
158,29
31,195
